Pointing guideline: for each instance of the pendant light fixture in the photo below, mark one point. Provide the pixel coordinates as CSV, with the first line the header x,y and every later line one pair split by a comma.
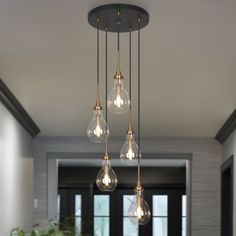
x,y
98,130
106,179
129,151
139,210
118,99
121,18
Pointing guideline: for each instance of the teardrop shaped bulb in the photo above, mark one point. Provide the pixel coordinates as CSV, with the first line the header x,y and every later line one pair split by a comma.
x,y
139,211
106,179
129,151
97,129
118,98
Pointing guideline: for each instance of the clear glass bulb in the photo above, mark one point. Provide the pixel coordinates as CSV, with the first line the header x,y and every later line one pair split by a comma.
x,y
118,98
129,151
98,129
106,179
139,211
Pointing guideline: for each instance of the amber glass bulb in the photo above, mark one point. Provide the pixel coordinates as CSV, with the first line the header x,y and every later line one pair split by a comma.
x,y
118,99
129,151
106,179
98,129
139,211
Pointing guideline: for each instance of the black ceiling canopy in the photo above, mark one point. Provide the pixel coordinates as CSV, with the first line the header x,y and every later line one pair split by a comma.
x,y
118,17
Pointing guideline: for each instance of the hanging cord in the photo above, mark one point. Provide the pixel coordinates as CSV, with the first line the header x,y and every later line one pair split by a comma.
x,y
130,74
139,104
118,36
98,95
106,114
118,41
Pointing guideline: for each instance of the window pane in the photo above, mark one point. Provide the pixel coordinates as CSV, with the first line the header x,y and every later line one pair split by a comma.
x,y
78,225
183,226
101,205
58,207
77,205
159,226
129,229
127,201
101,226
160,205
184,203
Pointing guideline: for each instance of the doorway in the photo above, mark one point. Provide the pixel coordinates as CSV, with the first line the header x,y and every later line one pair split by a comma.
x,y
227,173
163,163
106,214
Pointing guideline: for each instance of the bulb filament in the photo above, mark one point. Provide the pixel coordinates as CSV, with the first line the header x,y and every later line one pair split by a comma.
x,y
118,100
98,130
106,179
139,213
130,153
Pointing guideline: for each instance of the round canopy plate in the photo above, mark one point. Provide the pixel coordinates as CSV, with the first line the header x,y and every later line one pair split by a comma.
x,y
122,17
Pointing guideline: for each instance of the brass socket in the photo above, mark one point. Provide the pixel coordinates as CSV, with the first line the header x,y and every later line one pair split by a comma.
x,y
130,131
138,188
106,157
118,75
98,106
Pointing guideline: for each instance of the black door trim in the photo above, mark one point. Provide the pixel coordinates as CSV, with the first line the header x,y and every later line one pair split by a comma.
x,y
228,165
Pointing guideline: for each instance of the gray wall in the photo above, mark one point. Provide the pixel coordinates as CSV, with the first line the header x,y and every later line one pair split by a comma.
x,y
16,175
207,159
229,148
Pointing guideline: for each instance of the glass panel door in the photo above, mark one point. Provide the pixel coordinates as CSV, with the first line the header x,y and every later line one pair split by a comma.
x,y
58,207
184,214
101,215
129,229
78,214
160,215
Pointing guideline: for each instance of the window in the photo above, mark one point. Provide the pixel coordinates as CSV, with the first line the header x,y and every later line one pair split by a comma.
x,y
160,215
184,215
101,215
58,207
78,214
129,229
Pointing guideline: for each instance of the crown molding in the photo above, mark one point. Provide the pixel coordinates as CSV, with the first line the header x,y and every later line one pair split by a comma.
x,y
227,129
17,110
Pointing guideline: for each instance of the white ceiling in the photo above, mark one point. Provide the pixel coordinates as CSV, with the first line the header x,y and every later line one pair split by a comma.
x,y
48,60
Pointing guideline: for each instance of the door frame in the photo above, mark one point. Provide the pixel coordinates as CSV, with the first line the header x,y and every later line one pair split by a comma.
x,y
54,157
228,165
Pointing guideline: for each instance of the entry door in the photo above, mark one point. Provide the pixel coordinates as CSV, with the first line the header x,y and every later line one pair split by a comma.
x,y
106,214
168,209
75,208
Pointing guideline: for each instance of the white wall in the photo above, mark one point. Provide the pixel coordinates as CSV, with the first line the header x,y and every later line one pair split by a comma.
x,y
16,174
229,149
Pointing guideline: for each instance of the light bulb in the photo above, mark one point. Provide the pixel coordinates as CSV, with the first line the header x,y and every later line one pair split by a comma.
x,y
139,211
97,129
118,99
129,151
106,179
